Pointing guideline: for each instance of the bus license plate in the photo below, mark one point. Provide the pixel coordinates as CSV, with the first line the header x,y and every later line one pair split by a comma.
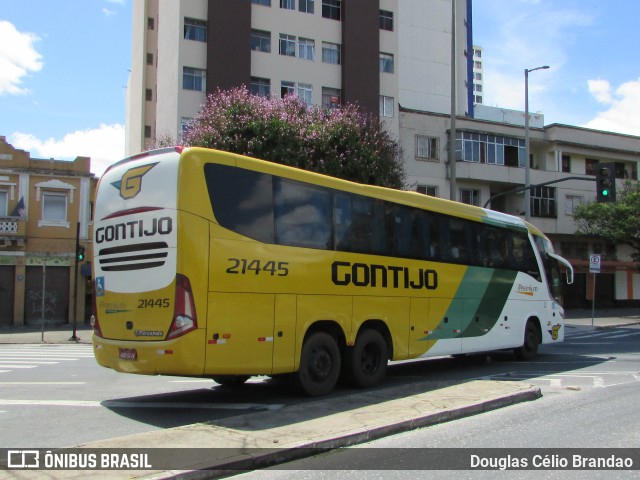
x,y
128,354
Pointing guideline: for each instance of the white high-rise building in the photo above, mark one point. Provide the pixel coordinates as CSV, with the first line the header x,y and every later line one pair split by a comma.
x,y
381,54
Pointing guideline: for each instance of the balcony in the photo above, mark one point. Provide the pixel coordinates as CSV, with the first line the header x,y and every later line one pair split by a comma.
x,y
12,232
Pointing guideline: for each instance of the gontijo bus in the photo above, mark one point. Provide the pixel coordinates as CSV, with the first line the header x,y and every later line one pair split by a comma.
x,y
212,264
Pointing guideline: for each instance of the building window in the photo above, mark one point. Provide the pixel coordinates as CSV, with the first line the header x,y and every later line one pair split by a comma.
x,y
386,20
478,98
426,147
305,92
543,202
571,203
151,24
566,163
477,87
307,49
491,149
266,3
386,63
261,41
591,166
194,79
306,6
331,53
195,29
148,95
54,207
470,196
386,106
260,86
147,131
477,53
149,58
478,76
287,45
331,9
331,97
287,88
4,203
431,190
288,4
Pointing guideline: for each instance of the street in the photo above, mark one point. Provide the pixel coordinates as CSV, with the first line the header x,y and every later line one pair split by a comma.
x,y
57,396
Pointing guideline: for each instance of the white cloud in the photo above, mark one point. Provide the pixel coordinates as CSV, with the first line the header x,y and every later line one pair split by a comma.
x,y
622,105
108,13
18,58
119,2
105,145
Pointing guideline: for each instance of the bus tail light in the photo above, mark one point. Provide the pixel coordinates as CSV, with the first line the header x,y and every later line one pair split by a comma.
x,y
184,312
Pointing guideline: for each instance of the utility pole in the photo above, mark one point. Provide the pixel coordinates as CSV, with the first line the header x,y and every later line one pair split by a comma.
x,y
452,132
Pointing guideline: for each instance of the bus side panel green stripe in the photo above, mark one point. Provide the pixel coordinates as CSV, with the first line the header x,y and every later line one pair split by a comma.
x,y
487,314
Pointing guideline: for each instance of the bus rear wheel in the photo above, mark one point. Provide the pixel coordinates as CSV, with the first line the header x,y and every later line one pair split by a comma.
x,y
366,363
319,364
529,348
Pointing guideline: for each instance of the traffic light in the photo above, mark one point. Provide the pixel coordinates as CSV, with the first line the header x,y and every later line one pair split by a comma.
x,y
80,253
606,182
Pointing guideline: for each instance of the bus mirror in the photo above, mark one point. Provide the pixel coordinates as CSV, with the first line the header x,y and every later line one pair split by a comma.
x,y
569,273
566,265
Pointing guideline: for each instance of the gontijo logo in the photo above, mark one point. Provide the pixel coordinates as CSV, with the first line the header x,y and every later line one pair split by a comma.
x,y
131,182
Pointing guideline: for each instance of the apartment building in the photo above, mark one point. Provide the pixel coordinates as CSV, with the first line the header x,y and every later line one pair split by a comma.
x,y
45,209
379,54
490,163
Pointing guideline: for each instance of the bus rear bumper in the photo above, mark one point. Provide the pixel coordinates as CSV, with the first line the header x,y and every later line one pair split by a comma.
x,y
181,356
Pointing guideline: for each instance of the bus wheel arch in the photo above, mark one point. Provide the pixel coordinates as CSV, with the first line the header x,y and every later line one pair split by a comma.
x,y
532,338
365,363
320,359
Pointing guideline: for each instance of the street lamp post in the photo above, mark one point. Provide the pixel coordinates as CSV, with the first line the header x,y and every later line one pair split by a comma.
x,y
527,163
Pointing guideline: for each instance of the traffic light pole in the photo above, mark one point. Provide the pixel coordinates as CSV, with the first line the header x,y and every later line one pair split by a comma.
x,y
522,189
74,337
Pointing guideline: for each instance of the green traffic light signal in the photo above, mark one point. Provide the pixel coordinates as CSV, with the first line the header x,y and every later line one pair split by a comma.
x,y
80,253
606,182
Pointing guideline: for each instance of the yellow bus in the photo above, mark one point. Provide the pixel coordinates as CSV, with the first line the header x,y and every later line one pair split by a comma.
x,y
211,264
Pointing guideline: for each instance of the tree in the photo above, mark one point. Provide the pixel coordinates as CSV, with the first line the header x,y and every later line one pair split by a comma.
x,y
618,222
340,142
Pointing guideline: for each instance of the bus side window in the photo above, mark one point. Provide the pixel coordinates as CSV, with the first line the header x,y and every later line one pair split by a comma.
x,y
400,219
360,224
302,215
242,200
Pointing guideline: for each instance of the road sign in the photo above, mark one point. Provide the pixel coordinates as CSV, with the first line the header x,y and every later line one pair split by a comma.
x,y
594,263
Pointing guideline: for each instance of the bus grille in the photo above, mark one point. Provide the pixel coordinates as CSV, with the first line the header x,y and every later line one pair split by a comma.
x,y
133,257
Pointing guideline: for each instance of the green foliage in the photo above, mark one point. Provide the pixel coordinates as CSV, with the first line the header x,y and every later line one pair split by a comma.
x,y
339,142
618,222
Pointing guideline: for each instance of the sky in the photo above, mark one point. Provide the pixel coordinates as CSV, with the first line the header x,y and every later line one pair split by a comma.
x,y
64,66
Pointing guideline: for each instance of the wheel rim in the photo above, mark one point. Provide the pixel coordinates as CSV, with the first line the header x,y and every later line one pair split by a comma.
x,y
370,360
320,364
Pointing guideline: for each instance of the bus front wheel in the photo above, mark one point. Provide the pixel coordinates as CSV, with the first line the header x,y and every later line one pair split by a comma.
x,y
319,364
529,348
366,363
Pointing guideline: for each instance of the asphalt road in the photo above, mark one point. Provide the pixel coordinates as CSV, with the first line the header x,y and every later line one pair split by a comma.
x,y
56,395
590,398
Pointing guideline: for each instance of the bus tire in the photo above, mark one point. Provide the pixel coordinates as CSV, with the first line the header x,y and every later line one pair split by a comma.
x,y
319,364
230,380
529,348
366,362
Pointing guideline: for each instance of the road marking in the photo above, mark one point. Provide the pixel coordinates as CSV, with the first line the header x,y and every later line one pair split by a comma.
x,y
17,366
129,404
24,360
43,383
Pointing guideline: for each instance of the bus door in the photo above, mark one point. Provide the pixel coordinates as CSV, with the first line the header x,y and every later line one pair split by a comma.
x,y
240,333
